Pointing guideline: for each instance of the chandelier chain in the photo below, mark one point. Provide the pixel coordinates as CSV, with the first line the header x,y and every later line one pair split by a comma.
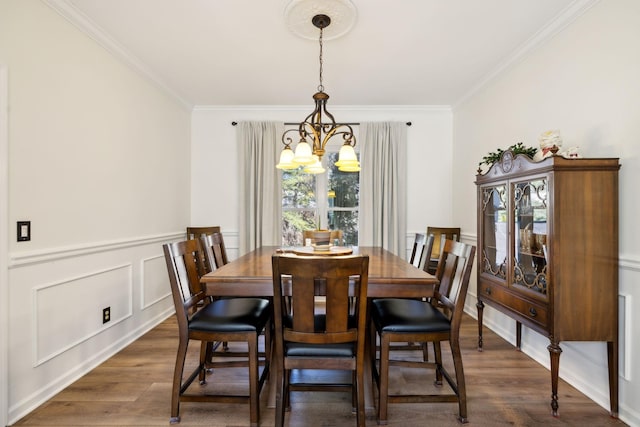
x,y
320,86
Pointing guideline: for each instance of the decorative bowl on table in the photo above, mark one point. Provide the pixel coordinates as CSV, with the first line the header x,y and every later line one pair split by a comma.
x,y
321,240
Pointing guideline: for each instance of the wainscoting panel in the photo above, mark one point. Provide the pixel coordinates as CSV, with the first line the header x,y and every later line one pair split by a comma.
x,y
231,244
69,312
155,281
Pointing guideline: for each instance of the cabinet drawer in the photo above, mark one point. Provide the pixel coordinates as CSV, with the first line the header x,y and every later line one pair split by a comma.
x,y
528,311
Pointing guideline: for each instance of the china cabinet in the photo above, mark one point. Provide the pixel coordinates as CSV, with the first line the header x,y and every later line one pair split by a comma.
x,y
548,252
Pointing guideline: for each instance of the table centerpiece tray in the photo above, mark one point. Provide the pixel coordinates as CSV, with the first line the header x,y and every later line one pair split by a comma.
x,y
331,251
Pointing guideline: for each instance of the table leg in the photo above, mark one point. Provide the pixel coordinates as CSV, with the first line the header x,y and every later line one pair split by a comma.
x,y
612,356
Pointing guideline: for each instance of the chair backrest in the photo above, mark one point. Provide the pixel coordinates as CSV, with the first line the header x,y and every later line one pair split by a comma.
x,y
418,249
454,273
421,251
304,278
440,234
215,253
185,267
196,232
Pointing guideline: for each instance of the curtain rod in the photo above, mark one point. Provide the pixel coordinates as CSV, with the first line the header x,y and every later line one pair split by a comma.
x,y
350,124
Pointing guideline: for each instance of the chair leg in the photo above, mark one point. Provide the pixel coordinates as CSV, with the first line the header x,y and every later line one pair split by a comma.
x,y
268,344
438,356
177,380
287,391
383,399
375,383
354,392
254,395
359,386
205,356
460,383
425,351
280,397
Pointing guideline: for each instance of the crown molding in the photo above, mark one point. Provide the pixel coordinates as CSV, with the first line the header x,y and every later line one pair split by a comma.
x,y
72,14
572,12
424,108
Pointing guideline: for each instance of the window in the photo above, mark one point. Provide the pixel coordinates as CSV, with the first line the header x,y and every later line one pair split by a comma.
x,y
328,200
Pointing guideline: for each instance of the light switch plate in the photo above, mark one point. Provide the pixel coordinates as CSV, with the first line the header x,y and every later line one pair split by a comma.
x,y
24,231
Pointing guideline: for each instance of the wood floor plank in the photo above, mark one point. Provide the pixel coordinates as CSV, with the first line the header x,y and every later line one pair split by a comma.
x,y
505,387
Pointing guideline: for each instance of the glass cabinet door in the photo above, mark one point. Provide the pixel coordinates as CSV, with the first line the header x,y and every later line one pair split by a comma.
x,y
494,231
530,235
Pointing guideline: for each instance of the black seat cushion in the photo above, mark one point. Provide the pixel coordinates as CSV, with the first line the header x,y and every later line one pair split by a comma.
x,y
407,315
319,350
232,315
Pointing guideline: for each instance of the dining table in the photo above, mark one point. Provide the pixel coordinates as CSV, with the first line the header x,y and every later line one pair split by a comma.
x,y
390,276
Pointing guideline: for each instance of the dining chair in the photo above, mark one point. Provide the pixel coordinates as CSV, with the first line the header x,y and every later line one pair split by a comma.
x,y
196,232
440,234
417,250
215,252
205,320
215,256
437,320
419,258
421,250
311,338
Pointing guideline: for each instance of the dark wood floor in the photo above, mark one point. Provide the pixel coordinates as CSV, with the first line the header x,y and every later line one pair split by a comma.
x,y
505,388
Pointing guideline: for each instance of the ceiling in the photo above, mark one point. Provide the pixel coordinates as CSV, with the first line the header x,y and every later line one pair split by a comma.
x,y
242,52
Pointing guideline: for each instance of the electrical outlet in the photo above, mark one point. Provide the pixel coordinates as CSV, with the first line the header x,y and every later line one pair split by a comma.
x,y
106,314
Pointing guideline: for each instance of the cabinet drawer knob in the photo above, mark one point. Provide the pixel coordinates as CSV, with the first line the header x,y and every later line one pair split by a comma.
x,y
488,291
532,312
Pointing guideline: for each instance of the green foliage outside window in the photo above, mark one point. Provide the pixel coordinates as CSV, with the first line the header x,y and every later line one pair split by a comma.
x,y
300,204
344,190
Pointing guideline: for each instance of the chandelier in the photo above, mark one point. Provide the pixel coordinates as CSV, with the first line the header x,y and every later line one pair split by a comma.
x,y
314,133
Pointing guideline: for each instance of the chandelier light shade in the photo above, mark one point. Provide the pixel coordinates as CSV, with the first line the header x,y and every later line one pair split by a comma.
x,y
317,129
315,167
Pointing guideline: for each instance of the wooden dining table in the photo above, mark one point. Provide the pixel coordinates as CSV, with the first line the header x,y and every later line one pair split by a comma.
x,y
390,276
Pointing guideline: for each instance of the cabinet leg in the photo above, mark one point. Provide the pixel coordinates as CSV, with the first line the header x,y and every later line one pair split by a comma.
x,y
612,356
480,307
518,335
554,353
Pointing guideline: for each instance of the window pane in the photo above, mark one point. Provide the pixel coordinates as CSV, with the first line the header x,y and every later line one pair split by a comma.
x,y
344,187
338,202
347,221
298,189
343,200
293,222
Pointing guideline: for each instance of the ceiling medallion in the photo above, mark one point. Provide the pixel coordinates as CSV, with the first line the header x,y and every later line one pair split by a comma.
x,y
299,13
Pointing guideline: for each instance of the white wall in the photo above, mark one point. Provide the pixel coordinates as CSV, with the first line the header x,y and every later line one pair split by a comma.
x,y
4,243
584,82
99,163
214,160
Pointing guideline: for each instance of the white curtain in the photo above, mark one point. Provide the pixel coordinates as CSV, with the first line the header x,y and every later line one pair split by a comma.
x,y
383,185
259,183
